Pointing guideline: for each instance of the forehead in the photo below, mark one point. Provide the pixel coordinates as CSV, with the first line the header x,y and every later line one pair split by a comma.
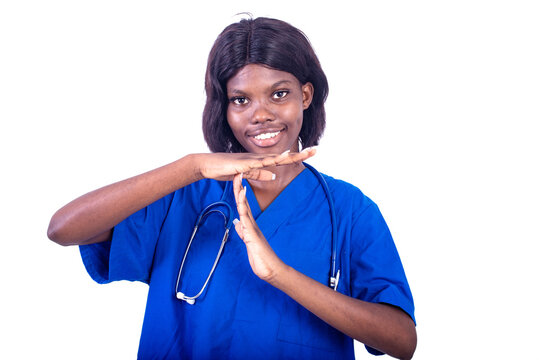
x,y
254,75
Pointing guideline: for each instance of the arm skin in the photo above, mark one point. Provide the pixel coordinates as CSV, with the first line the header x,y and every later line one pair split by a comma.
x,y
91,217
379,326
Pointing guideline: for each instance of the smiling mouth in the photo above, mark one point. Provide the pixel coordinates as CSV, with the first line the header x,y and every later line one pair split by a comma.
x,y
268,135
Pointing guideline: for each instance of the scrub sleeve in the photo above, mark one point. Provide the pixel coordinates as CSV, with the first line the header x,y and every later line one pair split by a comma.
x,y
129,255
370,264
376,271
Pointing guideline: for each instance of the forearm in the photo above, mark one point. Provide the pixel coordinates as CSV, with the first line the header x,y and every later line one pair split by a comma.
x,y
87,218
91,217
380,326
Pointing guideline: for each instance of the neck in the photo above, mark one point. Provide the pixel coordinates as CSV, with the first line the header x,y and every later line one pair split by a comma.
x,y
267,191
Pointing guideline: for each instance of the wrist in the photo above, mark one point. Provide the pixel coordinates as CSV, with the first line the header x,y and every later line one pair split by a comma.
x,y
280,275
193,162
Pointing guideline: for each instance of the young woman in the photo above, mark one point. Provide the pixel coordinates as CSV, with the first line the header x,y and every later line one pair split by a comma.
x,y
309,263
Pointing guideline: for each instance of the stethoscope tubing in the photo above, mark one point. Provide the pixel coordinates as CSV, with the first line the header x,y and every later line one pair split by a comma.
x,y
334,273
228,223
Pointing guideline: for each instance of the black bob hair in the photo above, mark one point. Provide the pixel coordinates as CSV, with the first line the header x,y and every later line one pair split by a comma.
x,y
268,42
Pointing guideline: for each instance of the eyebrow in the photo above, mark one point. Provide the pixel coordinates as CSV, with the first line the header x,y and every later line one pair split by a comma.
x,y
282,82
275,85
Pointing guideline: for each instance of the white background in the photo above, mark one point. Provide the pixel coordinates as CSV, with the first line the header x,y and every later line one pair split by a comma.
x,y
432,112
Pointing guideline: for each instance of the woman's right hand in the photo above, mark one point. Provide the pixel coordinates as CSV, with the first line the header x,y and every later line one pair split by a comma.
x,y
91,217
223,166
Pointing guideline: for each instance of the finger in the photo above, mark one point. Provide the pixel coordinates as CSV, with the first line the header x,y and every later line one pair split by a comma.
x,y
303,155
241,200
237,186
243,205
259,161
259,174
247,207
288,157
272,160
246,227
244,211
238,190
239,228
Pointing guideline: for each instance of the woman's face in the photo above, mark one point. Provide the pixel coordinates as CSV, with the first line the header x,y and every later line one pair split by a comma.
x,y
265,109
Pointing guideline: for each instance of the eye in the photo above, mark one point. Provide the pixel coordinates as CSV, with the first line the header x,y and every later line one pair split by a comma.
x,y
280,94
239,100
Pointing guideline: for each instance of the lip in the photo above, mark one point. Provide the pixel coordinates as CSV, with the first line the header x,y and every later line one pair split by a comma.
x,y
268,142
265,131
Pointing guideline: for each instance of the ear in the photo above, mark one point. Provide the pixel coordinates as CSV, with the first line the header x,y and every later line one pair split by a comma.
x,y
307,91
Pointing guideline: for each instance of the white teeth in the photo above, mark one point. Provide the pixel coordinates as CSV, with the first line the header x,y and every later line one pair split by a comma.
x,y
267,135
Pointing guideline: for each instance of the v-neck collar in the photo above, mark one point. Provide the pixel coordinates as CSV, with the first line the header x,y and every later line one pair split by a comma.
x,y
291,200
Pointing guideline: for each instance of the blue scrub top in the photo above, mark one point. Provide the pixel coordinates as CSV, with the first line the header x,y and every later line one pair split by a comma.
x,y
240,316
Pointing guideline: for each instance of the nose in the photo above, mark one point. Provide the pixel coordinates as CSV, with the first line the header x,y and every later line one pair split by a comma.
x,y
262,112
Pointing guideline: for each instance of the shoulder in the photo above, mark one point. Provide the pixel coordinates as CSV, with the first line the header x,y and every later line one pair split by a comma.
x,y
348,196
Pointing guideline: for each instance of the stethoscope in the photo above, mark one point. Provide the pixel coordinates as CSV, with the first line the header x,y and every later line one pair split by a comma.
x,y
221,206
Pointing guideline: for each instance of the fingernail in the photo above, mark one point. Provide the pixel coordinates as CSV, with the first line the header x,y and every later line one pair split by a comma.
x,y
273,176
308,148
235,221
286,152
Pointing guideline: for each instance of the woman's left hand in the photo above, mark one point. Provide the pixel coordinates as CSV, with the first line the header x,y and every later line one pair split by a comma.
x,y
380,326
263,260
